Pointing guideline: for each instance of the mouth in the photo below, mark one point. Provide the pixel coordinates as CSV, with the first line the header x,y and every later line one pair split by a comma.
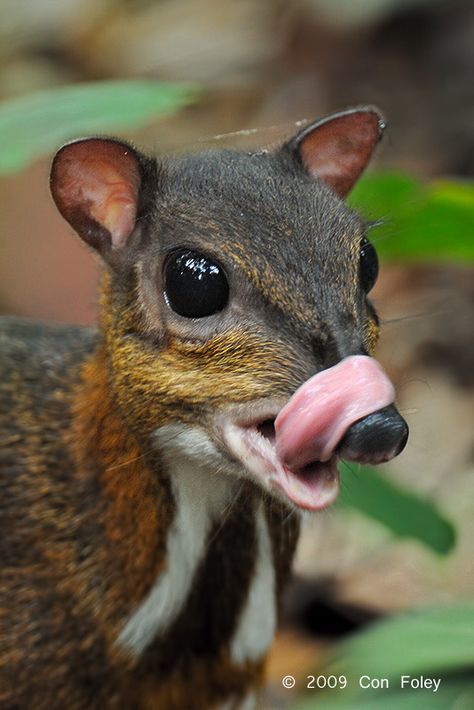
x,y
292,449
313,486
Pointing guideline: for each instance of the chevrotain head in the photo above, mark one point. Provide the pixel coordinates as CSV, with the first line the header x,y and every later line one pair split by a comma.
x,y
235,314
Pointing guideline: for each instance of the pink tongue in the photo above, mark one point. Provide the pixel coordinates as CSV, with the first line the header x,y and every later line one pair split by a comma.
x,y
312,424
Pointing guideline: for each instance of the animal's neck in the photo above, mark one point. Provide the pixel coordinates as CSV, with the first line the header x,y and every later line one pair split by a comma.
x,y
201,503
212,613
133,500
199,557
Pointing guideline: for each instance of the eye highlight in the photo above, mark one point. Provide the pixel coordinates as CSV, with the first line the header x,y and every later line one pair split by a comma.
x,y
368,265
195,286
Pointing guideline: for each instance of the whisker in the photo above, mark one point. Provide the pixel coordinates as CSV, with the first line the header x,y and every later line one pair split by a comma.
x,y
288,517
229,508
413,316
128,462
412,410
374,223
383,237
349,468
416,381
143,455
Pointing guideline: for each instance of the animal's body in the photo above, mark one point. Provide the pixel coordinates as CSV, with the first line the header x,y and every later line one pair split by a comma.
x,y
145,538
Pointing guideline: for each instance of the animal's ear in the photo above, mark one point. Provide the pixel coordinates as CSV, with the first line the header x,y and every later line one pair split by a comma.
x,y
95,183
337,148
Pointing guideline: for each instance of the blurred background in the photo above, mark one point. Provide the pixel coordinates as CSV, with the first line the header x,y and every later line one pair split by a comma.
x,y
265,64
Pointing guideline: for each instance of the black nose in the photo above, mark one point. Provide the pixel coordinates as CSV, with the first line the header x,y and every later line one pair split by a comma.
x,y
376,438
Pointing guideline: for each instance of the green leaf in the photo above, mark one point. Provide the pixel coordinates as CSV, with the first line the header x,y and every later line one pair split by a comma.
x,y
384,195
422,641
403,512
37,124
432,222
436,643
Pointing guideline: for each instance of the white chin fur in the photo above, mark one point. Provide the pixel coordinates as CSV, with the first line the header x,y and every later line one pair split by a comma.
x,y
185,442
252,456
188,443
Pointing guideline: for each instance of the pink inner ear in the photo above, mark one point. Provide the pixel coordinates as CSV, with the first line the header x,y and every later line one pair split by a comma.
x,y
98,179
338,150
111,198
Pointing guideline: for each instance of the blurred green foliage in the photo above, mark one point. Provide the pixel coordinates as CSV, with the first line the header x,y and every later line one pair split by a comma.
x,y
416,222
404,513
435,643
35,125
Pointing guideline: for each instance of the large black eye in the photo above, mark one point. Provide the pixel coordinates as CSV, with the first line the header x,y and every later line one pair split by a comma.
x,y
369,265
195,286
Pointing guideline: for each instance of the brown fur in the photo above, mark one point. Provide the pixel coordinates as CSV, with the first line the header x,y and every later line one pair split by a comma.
x,y
90,566
86,497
